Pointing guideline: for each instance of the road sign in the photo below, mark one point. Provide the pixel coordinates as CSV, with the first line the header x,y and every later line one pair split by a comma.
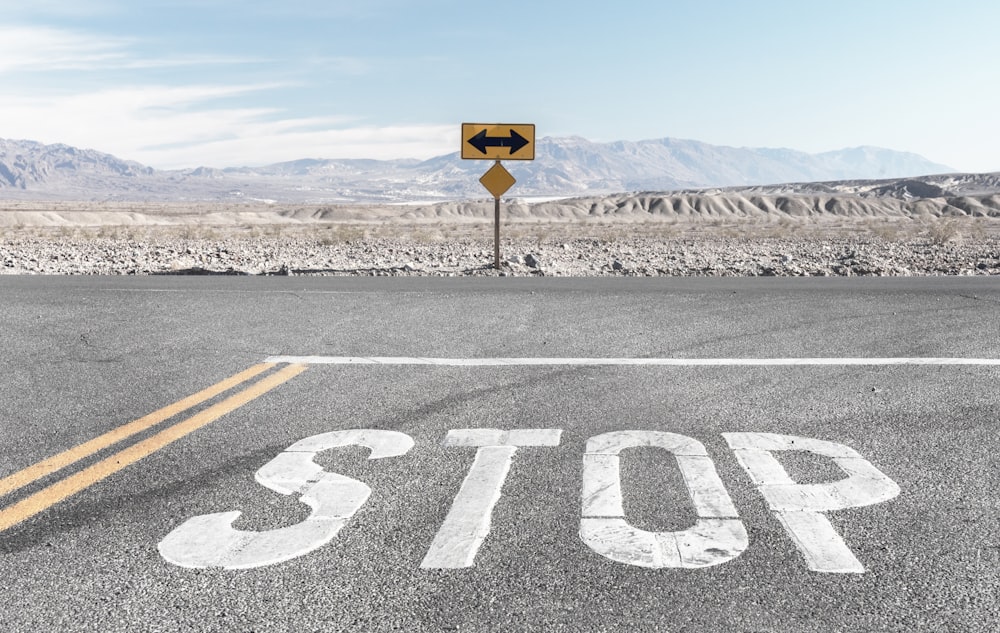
x,y
498,141
497,180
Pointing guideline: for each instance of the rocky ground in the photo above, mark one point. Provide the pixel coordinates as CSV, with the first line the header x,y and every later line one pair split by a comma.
x,y
623,251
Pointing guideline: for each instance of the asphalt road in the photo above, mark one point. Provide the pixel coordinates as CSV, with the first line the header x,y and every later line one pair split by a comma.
x,y
96,544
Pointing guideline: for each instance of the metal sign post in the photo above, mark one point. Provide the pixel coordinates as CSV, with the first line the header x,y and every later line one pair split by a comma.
x,y
496,233
496,141
497,181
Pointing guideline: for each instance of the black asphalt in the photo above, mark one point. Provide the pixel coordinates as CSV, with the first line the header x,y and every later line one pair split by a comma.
x,y
86,355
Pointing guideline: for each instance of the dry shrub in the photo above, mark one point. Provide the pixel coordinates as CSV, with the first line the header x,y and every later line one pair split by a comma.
x,y
944,231
886,231
341,233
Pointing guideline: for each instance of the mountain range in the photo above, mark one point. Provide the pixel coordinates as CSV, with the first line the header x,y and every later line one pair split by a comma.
x,y
570,166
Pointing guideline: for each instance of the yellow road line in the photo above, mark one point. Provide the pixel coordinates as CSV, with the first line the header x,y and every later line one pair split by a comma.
x,y
48,497
57,462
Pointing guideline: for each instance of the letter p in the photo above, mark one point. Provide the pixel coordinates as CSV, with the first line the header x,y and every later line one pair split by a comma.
x,y
800,507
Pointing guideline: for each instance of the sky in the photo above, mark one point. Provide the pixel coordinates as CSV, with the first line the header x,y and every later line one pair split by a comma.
x,y
225,83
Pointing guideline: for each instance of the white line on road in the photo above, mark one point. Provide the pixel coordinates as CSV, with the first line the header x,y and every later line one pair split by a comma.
x,y
668,362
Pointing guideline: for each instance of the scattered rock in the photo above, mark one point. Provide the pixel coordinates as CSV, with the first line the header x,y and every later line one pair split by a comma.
x,y
382,256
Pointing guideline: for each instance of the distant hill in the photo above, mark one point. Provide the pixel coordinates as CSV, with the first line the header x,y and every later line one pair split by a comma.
x,y
26,165
563,167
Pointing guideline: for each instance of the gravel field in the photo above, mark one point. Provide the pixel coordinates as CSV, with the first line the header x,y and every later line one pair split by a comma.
x,y
549,250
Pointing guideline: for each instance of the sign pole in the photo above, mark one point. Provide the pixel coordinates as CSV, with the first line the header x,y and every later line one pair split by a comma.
x,y
496,231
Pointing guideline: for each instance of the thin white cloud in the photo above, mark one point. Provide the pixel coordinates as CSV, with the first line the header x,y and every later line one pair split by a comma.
x,y
342,65
178,127
128,118
42,48
264,143
36,48
171,126
186,60
62,8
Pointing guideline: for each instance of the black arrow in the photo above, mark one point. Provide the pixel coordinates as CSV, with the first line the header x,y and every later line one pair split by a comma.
x,y
515,141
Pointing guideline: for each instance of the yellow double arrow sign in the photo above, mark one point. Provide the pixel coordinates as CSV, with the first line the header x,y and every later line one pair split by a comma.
x,y
498,141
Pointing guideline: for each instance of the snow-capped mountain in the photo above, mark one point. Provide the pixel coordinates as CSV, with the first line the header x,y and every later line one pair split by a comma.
x,y
563,167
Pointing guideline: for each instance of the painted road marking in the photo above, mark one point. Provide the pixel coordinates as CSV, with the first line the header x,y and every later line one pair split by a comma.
x,y
210,541
61,490
800,507
468,521
718,536
57,462
667,362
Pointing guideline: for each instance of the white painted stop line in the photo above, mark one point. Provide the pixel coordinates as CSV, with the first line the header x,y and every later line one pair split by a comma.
x,y
665,362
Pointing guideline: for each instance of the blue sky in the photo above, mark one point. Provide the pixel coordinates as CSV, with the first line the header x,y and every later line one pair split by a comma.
x,y
226,83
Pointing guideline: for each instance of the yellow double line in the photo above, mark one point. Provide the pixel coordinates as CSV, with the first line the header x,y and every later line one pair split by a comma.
x,y
72,484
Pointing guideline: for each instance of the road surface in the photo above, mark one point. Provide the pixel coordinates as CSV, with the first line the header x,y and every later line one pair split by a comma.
x,y
297,454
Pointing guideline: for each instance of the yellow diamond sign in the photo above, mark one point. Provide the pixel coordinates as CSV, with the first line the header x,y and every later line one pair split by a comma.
x,y
497,180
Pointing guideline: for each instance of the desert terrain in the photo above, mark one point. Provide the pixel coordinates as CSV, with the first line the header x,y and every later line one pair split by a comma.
x,y
905,227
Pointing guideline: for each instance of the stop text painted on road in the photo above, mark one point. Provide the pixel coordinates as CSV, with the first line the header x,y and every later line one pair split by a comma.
x,y
718,535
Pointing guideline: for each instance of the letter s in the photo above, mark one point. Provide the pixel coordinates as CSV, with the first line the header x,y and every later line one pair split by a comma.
x,y
210,540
